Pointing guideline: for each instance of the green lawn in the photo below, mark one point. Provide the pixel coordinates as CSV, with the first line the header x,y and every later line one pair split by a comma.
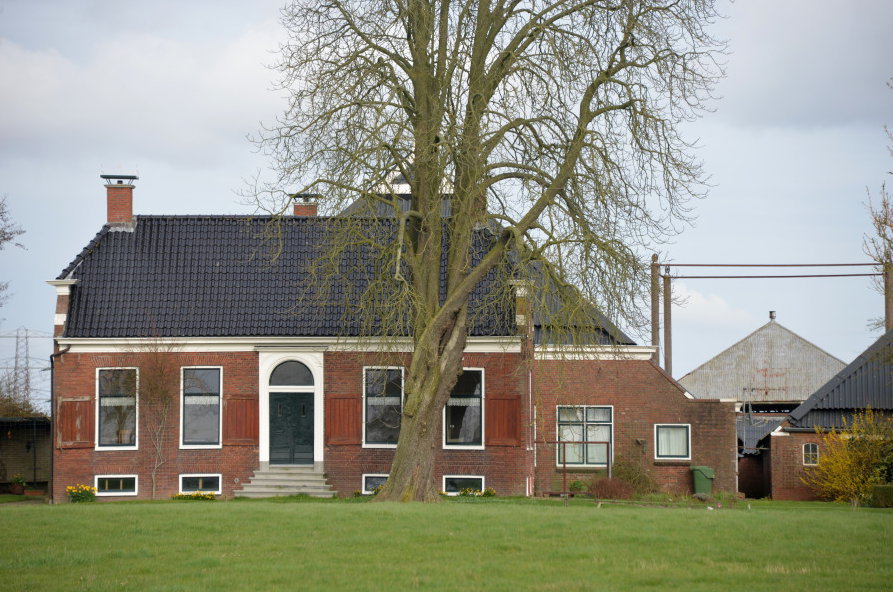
x,y
456,545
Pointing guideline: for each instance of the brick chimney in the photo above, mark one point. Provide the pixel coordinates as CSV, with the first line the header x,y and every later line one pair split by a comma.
x,y
305,204
119,197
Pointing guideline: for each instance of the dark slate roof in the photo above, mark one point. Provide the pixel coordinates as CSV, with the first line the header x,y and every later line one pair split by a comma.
x,y
867,381
212,276
753,428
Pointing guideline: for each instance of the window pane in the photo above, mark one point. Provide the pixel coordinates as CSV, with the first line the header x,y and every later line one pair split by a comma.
x,y
372,482
206,483
291,374
384,399
672,441
201,380
117,407
201,406
201,419
463,420
570,433
117,382
463,410
600,414
116,484
570,414
456,484
384,381
597,453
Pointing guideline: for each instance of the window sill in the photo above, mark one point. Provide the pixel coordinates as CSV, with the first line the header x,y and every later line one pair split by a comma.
x,y
672,462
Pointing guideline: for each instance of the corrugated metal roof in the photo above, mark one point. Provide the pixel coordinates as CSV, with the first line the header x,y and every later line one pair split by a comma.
x,y
753,428
867,381
772,364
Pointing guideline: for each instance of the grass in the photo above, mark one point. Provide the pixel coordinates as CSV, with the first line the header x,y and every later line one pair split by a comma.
x,y
471,544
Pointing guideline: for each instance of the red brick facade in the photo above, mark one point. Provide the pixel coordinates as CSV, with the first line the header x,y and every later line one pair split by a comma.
x,y
641,396
519,420
787,465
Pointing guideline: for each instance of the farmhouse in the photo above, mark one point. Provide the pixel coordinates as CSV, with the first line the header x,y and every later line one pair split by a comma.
x,y
796,443
187,357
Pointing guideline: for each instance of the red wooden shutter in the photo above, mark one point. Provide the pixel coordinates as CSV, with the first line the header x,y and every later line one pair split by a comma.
x,y
503,421
240,421
342,420
75,421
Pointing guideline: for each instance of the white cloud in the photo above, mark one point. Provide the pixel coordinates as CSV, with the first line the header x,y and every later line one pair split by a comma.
x,y
707,310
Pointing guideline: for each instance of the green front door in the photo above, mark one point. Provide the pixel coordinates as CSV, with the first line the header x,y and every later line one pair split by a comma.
x,y
291,428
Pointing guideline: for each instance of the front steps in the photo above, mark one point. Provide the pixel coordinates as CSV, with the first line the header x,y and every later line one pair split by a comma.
x,y
279,480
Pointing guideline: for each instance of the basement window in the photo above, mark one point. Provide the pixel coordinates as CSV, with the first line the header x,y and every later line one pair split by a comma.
x,y
453,484
202,483
373,482
116,484
810,454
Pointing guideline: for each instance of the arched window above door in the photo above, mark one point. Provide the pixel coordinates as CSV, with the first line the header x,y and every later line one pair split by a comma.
x,y
291,374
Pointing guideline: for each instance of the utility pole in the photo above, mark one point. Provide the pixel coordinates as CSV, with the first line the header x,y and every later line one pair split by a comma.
x,y
655,309
668,324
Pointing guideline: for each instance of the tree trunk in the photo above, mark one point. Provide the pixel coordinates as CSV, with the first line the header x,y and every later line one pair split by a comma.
x,y
433,372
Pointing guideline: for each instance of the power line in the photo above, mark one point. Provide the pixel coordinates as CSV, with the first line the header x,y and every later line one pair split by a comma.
x,y
744,277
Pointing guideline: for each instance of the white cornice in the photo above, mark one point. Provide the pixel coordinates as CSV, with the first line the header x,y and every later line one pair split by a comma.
x,y
251,344
63,287
599,352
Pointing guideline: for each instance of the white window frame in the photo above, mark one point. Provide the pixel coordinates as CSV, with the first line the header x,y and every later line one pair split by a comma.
x,y
402,397
803,455
480,446
455,493
219,444
363,481
558,462
687,427
219,482
136,485
136,405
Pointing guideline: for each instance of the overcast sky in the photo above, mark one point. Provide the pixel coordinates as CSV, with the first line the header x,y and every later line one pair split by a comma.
x,y
169,90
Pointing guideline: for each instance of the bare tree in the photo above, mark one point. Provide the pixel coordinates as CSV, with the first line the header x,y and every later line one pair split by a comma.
x,y
534,136
879,246
159,383
9,231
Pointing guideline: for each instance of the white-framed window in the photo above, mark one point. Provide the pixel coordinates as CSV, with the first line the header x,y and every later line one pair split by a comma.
x,y
672,441
810,454
463,414
117,418
201,420
206,483
453,484
116,484
373,480
382,406
585,423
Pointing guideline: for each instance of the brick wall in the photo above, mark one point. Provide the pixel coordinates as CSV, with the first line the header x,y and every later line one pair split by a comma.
x,y
641,396
506,468
787,465
79,462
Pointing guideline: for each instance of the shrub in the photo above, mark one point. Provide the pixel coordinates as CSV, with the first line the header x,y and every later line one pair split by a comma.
x,y
611,488
882,496
81,493
635,474
577,485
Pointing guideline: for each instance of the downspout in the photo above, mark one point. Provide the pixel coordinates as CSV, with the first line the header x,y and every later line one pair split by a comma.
x,y
53,357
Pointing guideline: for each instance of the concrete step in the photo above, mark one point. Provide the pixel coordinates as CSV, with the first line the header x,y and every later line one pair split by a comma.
x,y
286,480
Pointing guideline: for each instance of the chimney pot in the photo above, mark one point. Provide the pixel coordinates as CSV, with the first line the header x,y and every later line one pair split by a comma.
x,y
771,315
119,198
305,205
